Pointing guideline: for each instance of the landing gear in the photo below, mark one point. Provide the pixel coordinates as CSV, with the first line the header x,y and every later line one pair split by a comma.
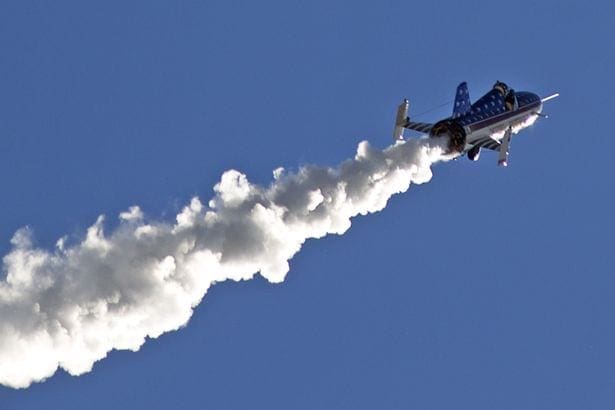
x,y
474,153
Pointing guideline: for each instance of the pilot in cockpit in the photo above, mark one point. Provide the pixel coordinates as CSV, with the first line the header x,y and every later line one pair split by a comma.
x,y
501,87
510,99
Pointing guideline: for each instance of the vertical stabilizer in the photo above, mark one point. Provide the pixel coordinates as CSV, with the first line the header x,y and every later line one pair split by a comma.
x,y
462,100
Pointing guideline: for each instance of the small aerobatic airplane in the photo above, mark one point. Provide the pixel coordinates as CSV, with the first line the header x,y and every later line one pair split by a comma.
x,y
488,123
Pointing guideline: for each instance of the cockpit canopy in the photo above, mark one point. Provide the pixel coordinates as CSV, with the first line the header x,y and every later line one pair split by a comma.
x,y
500,99
501,87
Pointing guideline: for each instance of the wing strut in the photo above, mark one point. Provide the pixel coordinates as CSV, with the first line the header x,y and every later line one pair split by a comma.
x,y
505,148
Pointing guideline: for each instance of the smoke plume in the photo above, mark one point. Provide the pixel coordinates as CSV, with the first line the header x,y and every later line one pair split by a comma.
x,y
68,307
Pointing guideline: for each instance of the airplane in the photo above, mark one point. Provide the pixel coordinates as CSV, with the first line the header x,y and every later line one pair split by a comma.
x,y
488,123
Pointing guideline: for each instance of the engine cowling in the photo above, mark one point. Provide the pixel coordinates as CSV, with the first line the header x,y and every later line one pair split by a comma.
x,y
454,131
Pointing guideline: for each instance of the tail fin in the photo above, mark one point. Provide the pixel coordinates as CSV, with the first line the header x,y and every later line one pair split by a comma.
x,y
462,100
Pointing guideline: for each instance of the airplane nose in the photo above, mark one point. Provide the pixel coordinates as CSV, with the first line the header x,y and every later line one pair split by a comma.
x,y
526,98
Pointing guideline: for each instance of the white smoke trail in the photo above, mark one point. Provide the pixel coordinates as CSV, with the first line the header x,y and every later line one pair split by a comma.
x,y
516,127
69,307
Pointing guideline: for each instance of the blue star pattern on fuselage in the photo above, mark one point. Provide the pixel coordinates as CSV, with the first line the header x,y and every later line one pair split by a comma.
x,y
492,105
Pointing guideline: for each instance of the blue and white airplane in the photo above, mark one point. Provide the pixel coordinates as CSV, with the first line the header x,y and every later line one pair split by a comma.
x,y
488,123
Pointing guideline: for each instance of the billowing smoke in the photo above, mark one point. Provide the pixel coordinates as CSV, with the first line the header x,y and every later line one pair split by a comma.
x,y
68,307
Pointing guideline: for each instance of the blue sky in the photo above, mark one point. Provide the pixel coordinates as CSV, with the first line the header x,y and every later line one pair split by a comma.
x,y
486,288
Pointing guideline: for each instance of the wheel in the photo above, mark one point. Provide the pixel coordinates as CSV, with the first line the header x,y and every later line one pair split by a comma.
x,y
474,154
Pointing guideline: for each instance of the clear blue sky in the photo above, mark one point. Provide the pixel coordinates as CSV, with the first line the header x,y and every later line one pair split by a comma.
x,y
486,288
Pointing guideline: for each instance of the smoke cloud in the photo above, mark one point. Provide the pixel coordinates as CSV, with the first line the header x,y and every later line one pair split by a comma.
x,y
68,307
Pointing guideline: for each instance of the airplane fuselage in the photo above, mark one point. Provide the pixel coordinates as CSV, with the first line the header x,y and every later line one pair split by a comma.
x,y
489,120
489,123
485,122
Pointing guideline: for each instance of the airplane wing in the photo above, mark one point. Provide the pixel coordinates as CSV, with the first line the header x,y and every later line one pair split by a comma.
x,y
487,142
403,121
505,148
